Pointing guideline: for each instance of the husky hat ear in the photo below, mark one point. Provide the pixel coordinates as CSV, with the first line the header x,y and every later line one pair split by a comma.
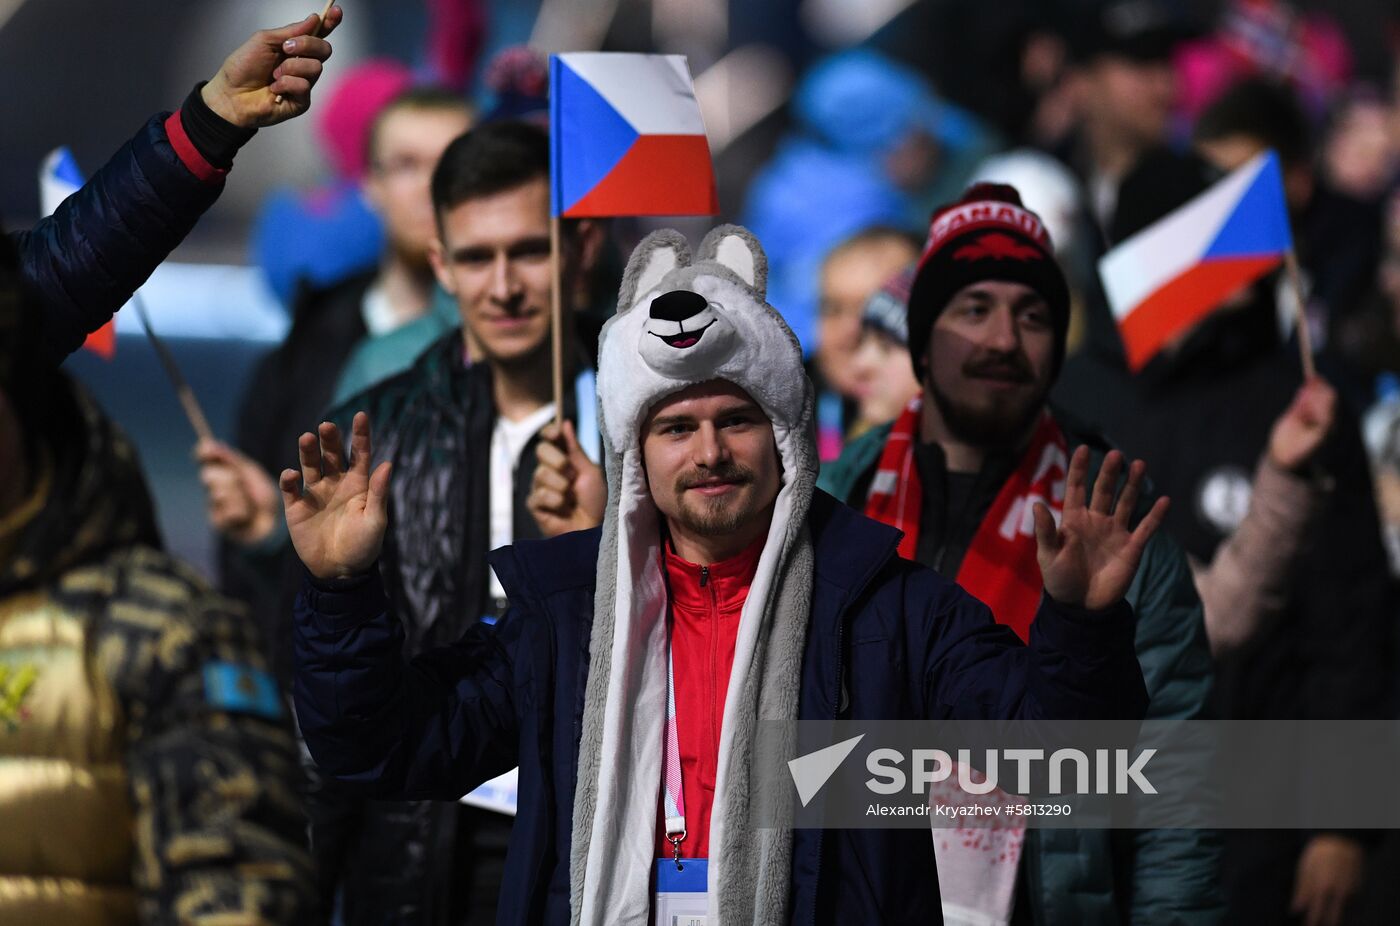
x,y
735,247
658,254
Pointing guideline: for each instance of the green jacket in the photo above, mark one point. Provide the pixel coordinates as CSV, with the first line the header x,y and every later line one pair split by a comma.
x,y
1096,876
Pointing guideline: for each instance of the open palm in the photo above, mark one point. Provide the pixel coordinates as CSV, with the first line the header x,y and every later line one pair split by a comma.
x,y
336,515
1090,558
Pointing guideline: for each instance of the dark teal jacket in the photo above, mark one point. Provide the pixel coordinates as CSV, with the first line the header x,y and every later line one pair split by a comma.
x,y
1093,877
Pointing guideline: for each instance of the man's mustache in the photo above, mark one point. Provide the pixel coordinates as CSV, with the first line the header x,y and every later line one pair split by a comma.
x,y
1001,366
730,472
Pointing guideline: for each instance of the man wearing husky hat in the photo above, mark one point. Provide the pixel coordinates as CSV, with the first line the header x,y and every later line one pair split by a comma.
x,y
717,557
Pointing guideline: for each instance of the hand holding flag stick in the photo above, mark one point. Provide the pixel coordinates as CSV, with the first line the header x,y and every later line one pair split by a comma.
x,y
317,32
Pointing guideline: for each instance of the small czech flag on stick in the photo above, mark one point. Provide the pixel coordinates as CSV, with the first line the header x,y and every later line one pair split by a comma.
x,y
626,138
1167,277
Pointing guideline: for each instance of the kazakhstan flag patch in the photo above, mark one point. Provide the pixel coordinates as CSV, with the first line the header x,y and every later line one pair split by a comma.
x,y
241,689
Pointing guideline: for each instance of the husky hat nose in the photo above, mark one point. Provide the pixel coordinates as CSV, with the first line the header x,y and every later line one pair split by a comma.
x,y
677,306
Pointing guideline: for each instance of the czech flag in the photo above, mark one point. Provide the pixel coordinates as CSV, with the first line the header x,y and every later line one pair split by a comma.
x,y
59,178
627,137
1173,273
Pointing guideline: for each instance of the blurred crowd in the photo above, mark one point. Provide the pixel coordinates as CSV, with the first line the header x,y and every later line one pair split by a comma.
x,y
416,282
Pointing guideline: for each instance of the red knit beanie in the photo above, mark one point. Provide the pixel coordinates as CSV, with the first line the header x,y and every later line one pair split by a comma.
x,y
986,235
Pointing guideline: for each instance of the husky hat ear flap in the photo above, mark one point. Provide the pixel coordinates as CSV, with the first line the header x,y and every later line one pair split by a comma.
x,y
680,323
655,256
735,247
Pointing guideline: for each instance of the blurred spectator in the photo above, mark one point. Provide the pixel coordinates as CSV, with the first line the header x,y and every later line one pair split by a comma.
x,y
1124,90
850,274
456,32
1359,157
988,314
318,237
517,83
463,433
1337,235
516,86
873,146
883,370
1007,68
1371,339
151,773
292,387
1200,414
404,310
1272,39
1246,585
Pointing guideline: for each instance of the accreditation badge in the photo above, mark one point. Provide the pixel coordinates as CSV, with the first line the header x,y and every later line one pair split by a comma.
x,y
682,892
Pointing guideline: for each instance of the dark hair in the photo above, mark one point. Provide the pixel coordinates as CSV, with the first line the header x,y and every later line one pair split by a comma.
x,y
21,343
490,159
428,97
1260,109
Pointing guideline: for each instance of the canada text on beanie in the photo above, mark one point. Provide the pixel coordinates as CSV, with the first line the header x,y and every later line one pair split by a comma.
x,y
986,235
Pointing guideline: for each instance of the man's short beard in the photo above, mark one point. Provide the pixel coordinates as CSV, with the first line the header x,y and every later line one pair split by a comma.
x,y
991,429
537,357
713,517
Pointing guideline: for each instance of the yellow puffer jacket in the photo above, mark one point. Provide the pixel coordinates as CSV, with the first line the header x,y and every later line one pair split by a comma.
x,y
65,846
147,769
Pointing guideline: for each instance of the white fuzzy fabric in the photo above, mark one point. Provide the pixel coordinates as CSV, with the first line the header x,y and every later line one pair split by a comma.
x,y
620,760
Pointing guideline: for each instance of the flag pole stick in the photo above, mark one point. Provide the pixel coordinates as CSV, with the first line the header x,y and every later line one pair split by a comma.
x,y
193,412
1295,278
556,309
316,32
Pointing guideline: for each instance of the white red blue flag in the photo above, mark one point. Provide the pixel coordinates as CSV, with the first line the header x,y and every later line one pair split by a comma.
x,y
1167,277
627,137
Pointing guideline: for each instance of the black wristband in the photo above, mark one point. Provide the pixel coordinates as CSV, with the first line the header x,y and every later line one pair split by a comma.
x,y
213,136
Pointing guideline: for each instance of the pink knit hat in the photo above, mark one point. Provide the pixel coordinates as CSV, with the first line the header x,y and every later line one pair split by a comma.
x,y
349,111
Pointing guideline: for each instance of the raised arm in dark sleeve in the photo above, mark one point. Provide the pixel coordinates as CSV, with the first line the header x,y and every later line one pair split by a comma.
x,y
84,261
1078,665
430,729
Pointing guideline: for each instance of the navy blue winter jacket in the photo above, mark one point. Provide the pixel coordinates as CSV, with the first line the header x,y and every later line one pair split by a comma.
x,y
84,262
888,639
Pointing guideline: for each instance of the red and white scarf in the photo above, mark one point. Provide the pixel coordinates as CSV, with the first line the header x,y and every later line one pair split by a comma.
x,y
977,865
1000,567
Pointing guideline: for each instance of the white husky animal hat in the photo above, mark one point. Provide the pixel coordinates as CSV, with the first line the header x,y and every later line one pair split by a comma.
x,y
680,323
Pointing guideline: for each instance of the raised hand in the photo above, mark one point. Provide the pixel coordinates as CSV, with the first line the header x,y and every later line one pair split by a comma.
x,y
568,491
268,79
1304,425
336,516
1089,560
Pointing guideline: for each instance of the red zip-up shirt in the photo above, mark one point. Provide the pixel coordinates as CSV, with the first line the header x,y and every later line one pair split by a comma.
x,y
706,602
